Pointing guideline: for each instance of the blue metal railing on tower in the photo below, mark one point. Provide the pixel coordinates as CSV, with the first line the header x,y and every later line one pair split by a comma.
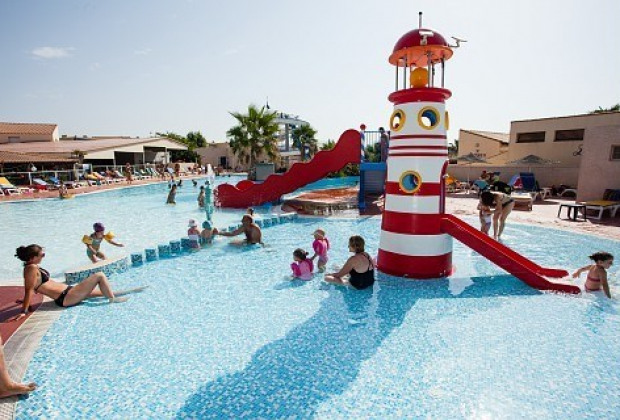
x,y
370,159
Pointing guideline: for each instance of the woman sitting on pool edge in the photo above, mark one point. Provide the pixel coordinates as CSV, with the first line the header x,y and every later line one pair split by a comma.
x,y
360,268
37,279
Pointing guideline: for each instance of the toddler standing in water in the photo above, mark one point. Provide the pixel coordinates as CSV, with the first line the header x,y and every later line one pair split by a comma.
x,y
303,266
486,218
320,247
597,272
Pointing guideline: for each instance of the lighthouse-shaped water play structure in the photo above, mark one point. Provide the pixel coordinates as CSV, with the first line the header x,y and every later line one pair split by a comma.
x,y
412,242
416,234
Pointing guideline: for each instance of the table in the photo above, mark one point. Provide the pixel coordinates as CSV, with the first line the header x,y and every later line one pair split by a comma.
x,y
574,207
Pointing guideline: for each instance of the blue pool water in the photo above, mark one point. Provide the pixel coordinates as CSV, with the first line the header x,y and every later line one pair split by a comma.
x,y
138,217
224,333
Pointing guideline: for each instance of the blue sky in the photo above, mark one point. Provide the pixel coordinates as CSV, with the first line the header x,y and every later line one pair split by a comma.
x,y
137,67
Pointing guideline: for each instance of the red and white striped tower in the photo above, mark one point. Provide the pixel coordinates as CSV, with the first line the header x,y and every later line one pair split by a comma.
x,y
412,244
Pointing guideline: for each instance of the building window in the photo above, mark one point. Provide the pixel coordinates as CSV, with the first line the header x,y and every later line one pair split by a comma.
x,y
615,152
534,137
569,135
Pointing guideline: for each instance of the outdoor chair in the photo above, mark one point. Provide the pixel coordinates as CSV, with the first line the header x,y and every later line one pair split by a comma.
x,y
529,182
39,184
610,201
7,188
453,184
57,183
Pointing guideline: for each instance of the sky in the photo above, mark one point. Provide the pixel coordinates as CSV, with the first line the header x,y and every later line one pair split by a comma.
x,y
139,67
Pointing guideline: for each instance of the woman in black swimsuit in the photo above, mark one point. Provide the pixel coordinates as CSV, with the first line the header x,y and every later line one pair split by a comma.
x,y
359,267
37,279
503,204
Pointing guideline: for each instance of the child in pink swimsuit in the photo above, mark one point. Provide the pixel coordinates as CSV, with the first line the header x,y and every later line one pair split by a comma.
x,y
303,266
597,272
320,246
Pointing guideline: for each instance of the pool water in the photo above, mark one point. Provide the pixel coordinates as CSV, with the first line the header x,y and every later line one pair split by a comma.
x,y
138,216
225,333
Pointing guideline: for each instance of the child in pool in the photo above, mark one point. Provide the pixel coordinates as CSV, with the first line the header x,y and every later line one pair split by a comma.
x,y
193,233
93,242
486,218
172,195
597,272
208,231
303,266
201,197
320,247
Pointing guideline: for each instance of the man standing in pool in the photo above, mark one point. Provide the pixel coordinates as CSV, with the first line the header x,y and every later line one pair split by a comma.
x,y
253,234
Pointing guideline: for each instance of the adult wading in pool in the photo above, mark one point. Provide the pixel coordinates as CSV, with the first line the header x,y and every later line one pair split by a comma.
x,y
37,280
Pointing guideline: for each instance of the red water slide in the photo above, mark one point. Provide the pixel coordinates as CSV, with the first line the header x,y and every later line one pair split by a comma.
x,y
247,193
514,263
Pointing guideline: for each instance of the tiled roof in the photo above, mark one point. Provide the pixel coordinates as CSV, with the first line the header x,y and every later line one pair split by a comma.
x,y
14,157
501,137
27,128
68,146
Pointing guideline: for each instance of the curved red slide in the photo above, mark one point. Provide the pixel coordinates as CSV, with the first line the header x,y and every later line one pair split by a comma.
x,y
247,193
525,270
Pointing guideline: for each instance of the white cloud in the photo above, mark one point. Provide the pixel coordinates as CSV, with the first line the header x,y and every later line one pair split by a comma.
x,y
52,52
94,66
145,51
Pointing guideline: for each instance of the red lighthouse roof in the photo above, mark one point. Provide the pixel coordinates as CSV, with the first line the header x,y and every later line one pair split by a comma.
x,y
414,47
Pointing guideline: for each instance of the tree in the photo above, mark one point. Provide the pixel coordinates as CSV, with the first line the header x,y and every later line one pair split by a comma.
x,y
329,145
195,139
614,108
254,135
304,135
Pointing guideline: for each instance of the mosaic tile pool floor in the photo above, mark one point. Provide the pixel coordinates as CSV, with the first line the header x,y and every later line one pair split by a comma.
x,y
224,333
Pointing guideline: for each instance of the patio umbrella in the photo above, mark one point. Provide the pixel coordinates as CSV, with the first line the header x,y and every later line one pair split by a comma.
x,y
469,159
532,160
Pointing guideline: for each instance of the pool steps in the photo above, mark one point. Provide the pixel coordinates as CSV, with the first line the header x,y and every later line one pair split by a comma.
x,y
172,249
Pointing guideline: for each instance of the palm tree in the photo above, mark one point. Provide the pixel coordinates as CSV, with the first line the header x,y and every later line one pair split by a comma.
x,y
613,108
304,135
329,145
254,135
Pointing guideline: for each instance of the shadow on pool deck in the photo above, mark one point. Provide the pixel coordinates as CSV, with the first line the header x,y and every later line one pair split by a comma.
x,y
320,358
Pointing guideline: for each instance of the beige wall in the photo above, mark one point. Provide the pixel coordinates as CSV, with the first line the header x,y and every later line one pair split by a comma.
x,y
484,147
562,151
27,138
212,153
598,172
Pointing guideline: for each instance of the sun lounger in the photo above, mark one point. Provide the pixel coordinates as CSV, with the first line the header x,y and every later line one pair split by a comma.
x,y
39,184
601,206
7,188
523,199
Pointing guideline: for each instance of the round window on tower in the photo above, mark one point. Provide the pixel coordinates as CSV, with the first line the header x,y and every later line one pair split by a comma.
x,y
410,182
428,118
397,120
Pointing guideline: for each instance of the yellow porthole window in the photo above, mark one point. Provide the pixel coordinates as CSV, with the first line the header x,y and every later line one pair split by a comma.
x,y
397,120
410,182
446,120
428,118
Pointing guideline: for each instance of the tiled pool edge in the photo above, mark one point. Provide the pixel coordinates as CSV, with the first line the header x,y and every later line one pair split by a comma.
x,y
21,346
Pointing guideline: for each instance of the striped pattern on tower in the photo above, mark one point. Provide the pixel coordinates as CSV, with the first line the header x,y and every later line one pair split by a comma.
x,y
411,243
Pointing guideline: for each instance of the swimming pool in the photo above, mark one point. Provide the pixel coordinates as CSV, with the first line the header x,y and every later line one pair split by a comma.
x,y
223,333
137,215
